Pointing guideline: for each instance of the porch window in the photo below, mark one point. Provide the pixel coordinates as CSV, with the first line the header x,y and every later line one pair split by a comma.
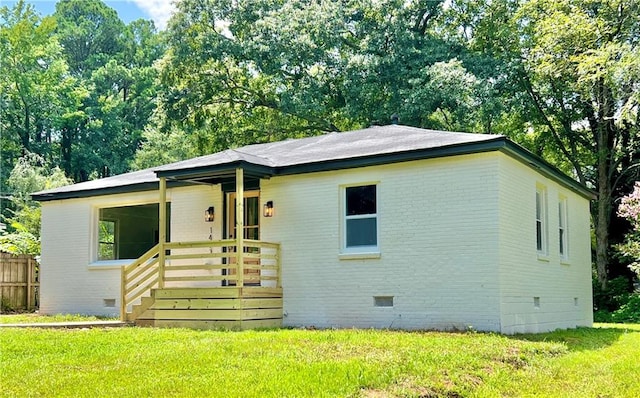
x,y
127,232
361,219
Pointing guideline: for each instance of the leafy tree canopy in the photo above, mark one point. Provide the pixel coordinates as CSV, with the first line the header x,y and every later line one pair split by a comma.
x,y
30,174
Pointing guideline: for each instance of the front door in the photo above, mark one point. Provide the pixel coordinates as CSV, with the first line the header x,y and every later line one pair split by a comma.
x,y
251,230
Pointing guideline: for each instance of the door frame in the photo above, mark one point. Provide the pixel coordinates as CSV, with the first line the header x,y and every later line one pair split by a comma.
x,y
229,226
230,212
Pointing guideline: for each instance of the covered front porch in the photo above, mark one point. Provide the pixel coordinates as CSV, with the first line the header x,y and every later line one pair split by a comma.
x,y
232,283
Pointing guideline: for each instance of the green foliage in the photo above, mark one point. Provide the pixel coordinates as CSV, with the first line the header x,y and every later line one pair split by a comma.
x,y
76,88
5,304
287,69
616,303
630,209
611,298
115,62
30,174
159,148
90,32
628,312
34,84
570,71
106,240
20,241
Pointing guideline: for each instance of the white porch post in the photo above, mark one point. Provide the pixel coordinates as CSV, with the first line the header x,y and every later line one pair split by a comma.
x,y
162,230
239,227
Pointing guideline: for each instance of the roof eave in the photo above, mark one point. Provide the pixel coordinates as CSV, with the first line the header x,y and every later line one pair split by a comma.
x,y
547,169
140,187
395,157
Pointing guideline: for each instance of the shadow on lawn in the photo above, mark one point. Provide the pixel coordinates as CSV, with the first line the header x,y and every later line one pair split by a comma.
x,y
582,339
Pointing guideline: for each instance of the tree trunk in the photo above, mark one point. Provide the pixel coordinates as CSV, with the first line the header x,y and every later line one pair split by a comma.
x,y
605,134
65,148
25,135
602,228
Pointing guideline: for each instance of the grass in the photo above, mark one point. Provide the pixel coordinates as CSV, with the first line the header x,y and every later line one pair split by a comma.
x,y
35,318
133,362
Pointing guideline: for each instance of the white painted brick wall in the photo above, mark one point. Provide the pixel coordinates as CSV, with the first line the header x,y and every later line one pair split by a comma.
x,y
438,242
457,243
188,205
71,279
69,283
525,275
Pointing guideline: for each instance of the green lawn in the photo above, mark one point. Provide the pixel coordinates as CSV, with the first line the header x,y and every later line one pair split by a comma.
x,y
135,362
35,318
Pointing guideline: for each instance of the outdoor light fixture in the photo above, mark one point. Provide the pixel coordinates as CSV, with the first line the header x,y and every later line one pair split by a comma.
x,y
268,209
210,214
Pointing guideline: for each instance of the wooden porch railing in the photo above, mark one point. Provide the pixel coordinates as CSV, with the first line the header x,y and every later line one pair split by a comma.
x,y
199,264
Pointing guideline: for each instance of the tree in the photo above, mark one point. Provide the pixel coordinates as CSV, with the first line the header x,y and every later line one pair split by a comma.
x,y
115,63
245,72
580,76
574,69
90,32
34,76
30,174
36,91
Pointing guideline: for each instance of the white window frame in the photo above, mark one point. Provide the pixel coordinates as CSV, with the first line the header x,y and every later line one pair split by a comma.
x,y
541,225
563,227
365,250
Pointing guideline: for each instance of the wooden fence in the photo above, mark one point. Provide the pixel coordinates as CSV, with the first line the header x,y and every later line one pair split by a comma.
x,y
19,282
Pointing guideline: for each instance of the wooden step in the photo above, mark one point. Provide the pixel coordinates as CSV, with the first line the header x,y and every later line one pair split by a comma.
x,y
217,292
212,308
209,304
140,308
213,315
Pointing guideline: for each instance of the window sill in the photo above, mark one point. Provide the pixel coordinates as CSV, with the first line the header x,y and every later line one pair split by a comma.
x,y
565,261
359,256
110,264
543,257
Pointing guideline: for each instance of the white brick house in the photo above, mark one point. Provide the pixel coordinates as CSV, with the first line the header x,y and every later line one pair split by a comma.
x,y
386,227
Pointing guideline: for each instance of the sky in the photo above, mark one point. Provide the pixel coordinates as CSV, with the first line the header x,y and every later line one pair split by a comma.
x,y
128,10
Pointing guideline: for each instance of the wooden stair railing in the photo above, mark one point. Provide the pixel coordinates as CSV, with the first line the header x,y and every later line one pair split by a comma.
x,y
138,278
209,262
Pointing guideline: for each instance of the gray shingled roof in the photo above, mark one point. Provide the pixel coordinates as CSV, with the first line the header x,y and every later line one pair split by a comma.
x,y
333,146
374,145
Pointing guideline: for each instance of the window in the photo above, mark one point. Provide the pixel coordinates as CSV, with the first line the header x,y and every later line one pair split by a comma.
x,y
107,240
541,220
127,232
361,219
563,237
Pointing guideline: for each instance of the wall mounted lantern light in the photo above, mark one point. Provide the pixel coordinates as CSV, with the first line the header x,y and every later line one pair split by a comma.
x,y
268,209
210,214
